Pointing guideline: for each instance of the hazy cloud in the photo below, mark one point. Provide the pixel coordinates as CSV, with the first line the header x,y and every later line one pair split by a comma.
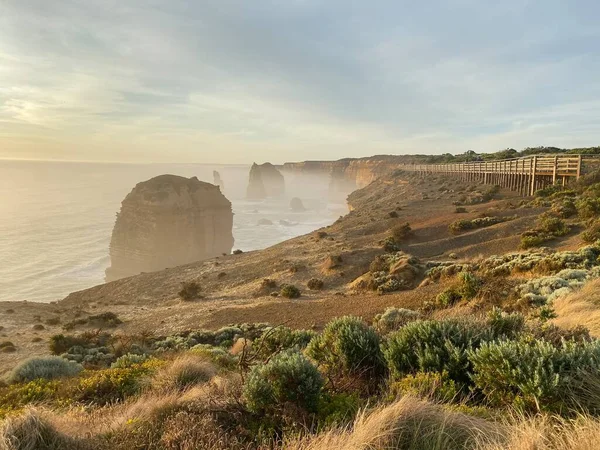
x,y
224,81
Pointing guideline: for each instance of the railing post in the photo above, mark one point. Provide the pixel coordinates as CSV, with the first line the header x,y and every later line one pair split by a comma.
x,y
533,171
578,166
554,170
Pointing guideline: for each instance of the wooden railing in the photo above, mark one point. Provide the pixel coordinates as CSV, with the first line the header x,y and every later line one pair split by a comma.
x,y
525,175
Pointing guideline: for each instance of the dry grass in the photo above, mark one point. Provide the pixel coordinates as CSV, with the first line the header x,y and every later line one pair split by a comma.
x,y
580,308
184,372
406,424
550,433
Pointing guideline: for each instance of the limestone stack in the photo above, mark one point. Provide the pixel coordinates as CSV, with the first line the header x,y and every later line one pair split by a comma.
x,y
169,221
265,181
218,181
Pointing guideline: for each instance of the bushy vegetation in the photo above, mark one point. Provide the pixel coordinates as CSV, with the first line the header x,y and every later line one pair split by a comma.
x,y
47,368
461,225
289,378
347,349
190,290
289,291
536,375
592,232
315,284
394,318
401,232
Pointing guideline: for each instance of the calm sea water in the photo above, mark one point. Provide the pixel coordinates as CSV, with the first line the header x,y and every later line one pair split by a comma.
x,y
56,219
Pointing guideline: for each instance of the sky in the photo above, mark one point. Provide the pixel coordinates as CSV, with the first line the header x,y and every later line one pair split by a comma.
x,y
241,81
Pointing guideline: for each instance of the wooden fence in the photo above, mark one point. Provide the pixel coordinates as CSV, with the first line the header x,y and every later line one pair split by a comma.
x,y
525,175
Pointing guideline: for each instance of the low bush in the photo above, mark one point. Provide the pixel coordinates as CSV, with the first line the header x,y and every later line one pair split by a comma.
x,y
278,339
592,232
534,238
185,371
288,378
434,346
315,284
461,225
129,360
564,208
534,375
587,207
460,210
393,319
401,232
289,291
347,349
48,368
505,325
430,385
190,290
553,225
113,385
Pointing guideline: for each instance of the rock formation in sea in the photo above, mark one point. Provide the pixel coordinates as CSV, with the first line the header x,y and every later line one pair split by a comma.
x,y
218,181
296,205
265,181
169,221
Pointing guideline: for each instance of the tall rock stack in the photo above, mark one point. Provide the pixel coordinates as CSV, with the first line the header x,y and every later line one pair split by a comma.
x,y
265,181
218,181
169,221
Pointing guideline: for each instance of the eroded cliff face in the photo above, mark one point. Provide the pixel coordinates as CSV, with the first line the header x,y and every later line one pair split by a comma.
x,y
347,175
265,181
169,221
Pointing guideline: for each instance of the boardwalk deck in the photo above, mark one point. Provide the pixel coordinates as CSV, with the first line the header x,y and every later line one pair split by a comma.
x,y
525,175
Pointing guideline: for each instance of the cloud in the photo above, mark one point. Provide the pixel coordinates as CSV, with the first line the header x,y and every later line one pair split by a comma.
x,y
227,81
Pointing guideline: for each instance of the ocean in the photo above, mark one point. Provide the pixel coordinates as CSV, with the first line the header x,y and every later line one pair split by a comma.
x,y
56,218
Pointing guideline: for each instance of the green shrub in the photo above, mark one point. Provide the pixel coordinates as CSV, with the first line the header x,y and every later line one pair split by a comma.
x,y
48,368
112,385
287,378
468,285
289,291
431,385
553,225
534,374
338,409
448,297
460,210
347,347
587,207
505,325
315,284
281,338
534,238
393,318
460,225
190,290
390,245
59,343
548,191
565,208
401,232
129,360
592,232
434,346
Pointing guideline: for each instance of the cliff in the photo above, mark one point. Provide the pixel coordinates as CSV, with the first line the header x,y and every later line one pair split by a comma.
x,y
265,181
348,174
169,221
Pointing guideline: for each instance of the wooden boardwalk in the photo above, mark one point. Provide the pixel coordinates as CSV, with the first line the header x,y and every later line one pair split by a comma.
x,y
525,175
